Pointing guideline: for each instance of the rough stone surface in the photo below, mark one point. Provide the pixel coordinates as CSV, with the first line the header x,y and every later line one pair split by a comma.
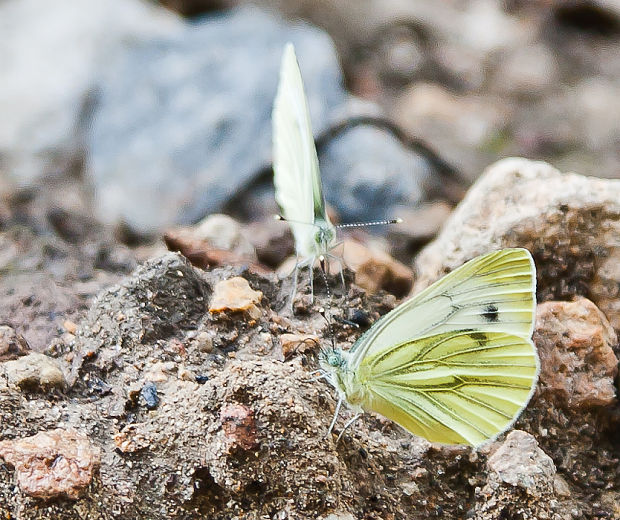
x,y
235,295
367,173
34,371
570,224
12,344
184,142
520,482
52,56
575,343
56,463
298,344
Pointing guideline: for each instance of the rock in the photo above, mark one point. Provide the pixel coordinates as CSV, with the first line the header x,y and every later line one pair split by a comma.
x,y
520,482
182,123
130,439
203,342
224,232
575,343
12,344
367,173
239,426
374,269
298,343
272,241
460,125
164,296
52,57
218,240
37,305
568,222
235,295
149,394
520,462
56,463
35,371
419,226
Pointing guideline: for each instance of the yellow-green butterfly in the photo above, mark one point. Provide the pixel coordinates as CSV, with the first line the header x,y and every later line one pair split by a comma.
x,y
455,364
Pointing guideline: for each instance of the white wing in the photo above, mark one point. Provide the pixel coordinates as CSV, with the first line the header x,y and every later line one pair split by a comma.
x,y
493,292
295,164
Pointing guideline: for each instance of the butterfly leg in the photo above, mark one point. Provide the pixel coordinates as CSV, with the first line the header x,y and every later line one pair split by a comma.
x,y
349,423
333,423
295,274
312,261
341,264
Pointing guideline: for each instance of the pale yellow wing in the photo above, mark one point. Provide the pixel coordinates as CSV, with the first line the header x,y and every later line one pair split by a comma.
x,y
457,387
491,293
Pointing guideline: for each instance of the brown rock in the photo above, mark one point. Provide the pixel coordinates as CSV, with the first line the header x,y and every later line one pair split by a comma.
x,y
51,464
569,222
272,240
375,269
235,295
12,344
35,371
298,343
575,344
239,426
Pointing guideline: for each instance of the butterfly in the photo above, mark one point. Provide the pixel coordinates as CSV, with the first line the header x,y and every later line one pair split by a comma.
x,y
296,174
454,364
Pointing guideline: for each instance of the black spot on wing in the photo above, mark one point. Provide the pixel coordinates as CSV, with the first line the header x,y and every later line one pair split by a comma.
x,y
479,337
491,313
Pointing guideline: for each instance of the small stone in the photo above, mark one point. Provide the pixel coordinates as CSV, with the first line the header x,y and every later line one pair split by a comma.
x,y
560,486
12,344
35,371
239,426
185,375
52,464
235,295
130,439
520,462
69,326
149,394
203,342
298,343
575,343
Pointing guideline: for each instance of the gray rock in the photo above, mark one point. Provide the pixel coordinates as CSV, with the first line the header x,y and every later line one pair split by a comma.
x,y
520,462
183,122
367,172
51,54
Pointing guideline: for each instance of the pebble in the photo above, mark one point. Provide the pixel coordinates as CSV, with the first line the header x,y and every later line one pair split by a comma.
x,y
149,394
35,371
74,462
235,295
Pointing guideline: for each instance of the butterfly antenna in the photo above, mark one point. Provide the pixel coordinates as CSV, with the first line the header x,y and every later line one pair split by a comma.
x,y
284,219
328,315
374,223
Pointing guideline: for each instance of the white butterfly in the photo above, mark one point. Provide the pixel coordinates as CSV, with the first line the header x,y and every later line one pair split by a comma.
x,y
296,174
455,364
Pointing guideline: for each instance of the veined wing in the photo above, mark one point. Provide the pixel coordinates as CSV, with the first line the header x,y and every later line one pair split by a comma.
x,y
295,164
491,293
458,387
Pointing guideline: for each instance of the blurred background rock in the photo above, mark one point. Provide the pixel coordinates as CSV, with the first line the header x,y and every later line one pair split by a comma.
x,y
144,115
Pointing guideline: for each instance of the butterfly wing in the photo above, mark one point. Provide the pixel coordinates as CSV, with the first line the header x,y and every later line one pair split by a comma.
x,y
491,293
296,176
457,387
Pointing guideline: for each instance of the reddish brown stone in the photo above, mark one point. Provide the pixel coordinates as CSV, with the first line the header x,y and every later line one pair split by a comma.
x,y
53,463
575,344
239,426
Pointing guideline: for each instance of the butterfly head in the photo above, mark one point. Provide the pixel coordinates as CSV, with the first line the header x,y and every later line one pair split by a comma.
x,y
324,237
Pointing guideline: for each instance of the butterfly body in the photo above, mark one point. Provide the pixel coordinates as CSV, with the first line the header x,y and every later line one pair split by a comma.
x,y
454,364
